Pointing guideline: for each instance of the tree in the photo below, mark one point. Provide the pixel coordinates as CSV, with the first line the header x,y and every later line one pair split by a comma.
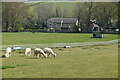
x,y
84,12
13,12
45,11
90,8
80,13
105,13
19,27
31,20
57,12
0,15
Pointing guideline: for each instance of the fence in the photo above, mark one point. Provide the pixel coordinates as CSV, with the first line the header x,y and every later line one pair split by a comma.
x,y
59,45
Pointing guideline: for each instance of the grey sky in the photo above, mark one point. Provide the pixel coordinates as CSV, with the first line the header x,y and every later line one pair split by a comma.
x,y
63,0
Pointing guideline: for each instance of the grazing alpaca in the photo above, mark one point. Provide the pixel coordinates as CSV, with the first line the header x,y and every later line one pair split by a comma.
x,y
49,51
8,52
39,51
28,51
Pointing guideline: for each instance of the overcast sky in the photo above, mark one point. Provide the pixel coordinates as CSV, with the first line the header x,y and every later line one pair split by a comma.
x,y
63,0
80,0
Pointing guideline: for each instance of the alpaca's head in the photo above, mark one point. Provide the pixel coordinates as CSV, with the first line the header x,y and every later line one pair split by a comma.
x,y
54,55
45,55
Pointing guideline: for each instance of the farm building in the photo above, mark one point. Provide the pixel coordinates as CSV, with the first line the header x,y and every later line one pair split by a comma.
x,y
62,24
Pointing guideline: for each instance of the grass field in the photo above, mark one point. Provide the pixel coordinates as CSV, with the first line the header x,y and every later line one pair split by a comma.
x,y
79,62
44,38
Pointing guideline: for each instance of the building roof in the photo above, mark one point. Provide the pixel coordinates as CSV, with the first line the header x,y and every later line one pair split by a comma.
x,y
63,20
70,20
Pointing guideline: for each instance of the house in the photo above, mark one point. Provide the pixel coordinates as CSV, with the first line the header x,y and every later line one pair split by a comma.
x,y
93,27
62,24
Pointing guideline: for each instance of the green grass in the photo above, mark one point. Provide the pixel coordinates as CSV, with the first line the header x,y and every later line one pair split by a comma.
x,y
44,38
80,62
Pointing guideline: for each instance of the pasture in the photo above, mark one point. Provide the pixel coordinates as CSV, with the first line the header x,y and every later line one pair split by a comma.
x,y
80,62
44,38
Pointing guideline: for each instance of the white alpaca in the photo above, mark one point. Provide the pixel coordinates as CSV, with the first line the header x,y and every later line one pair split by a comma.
x,y
38,51
49,51
8,52
28,51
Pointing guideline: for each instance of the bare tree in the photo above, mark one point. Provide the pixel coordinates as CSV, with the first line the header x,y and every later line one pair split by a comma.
x,y
90,11
0,15
79,11
105,13
13,12
45,11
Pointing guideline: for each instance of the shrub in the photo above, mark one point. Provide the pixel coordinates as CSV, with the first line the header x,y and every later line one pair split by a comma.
x,y
19,27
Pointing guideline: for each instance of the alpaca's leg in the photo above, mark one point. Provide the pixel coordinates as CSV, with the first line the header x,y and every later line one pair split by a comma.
x,y
35,55
39,55
29,53
9,54
26,53
49,55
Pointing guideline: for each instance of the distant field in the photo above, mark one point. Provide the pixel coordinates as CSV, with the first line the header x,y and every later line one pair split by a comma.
x,y
80,62
44,38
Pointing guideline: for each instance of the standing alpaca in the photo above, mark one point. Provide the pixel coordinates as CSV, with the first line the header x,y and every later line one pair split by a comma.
x,y
39,51
28,51
8,52
49,51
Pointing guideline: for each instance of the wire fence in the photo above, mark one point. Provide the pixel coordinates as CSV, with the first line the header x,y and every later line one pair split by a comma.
x,y
60,45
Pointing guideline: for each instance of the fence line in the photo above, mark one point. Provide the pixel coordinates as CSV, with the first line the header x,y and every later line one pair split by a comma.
x,y
54,45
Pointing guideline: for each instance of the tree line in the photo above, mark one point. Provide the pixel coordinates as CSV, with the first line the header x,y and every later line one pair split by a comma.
x,y
25,16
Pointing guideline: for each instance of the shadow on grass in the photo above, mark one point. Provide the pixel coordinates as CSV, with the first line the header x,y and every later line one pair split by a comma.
x,y
38,58
3,56
96,37
12,66
32,58
22,55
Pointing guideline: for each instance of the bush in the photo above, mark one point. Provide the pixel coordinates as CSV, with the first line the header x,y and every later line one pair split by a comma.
x,y
75,28
18,27
10,29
